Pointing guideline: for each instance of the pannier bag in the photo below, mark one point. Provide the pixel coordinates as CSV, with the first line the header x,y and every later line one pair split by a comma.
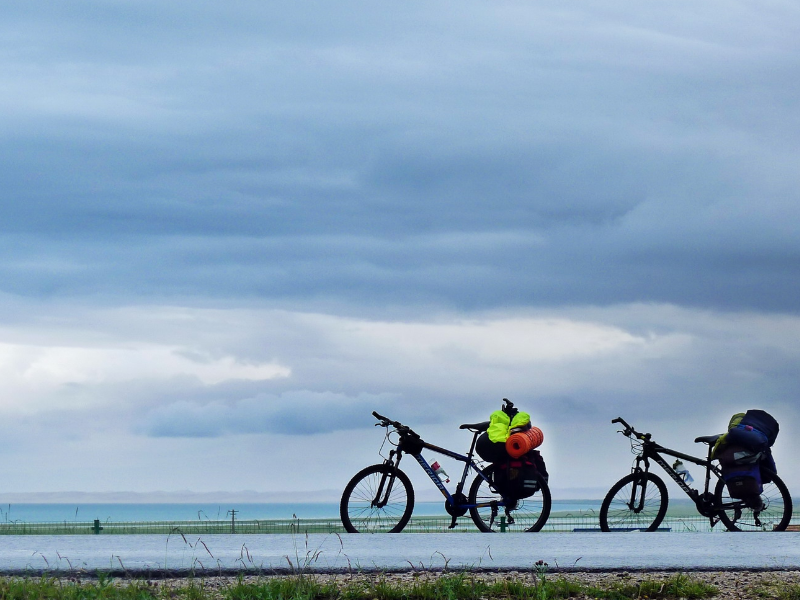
x,y
517,477
523,442
768,468
741,471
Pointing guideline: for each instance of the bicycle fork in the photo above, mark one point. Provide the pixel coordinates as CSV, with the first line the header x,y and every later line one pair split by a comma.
x,y
636,503
384,490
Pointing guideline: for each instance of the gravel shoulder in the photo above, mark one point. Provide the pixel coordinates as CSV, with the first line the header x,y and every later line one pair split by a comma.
x,y
732,585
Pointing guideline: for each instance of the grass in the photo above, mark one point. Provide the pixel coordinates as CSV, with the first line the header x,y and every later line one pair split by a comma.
x,y
457,586
779,591
677,586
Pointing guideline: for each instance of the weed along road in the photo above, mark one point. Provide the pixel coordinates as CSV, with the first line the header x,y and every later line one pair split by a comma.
x,y
211,554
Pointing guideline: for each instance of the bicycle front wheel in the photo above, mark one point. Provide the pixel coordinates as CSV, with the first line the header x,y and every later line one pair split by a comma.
x,y
774,515
527,514
378,499
637,501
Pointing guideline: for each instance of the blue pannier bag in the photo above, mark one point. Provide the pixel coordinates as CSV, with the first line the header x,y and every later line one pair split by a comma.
x,y
741,471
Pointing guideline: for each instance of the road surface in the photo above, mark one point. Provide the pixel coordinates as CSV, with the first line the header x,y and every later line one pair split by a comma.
x,y
153,554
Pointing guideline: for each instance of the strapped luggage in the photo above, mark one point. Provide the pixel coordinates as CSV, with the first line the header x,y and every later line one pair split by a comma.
x,y
755,429
745,457
523,442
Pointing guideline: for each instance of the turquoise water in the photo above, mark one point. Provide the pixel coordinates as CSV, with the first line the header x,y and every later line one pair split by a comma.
x,y
33,513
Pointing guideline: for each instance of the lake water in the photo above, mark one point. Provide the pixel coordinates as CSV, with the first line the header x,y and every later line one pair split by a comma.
x,y
203,511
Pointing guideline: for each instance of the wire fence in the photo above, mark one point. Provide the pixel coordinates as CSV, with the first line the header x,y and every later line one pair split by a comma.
x,y
580,522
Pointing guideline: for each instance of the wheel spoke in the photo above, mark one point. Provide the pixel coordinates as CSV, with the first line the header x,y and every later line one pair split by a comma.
x,y
637,501
358,508
527,514
774,515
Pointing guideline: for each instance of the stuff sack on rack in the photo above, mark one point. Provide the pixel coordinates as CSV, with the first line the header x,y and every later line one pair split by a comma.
x,y
490,451
518,478
741,471
755,430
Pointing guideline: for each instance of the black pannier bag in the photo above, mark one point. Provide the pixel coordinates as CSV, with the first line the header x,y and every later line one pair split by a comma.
x,y
517,477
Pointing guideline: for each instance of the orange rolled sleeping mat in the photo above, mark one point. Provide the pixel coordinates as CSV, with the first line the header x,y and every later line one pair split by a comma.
x,y
523,442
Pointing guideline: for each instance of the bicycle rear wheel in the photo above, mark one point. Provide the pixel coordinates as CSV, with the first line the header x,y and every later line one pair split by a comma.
x,y
774,516
378,499
637,501
528,514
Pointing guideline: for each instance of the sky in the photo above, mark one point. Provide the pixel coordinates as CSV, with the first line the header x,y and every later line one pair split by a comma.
x,y
230,231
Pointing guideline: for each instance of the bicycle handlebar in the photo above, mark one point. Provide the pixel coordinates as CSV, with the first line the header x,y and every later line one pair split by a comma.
x,y
386,422
629,430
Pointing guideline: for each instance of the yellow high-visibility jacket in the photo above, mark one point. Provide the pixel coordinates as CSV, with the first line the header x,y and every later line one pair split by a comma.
x,y
500,424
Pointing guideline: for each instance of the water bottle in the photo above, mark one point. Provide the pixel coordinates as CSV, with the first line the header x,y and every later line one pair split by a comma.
x,y
437,468
682,471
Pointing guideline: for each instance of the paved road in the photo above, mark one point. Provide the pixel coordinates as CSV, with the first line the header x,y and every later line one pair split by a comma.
x,y
212,553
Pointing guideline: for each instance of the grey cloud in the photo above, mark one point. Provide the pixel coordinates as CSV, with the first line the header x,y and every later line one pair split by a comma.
x,y
309,158
291,413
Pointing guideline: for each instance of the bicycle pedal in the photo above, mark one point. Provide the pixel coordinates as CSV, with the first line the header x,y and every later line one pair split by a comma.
x,y
494,513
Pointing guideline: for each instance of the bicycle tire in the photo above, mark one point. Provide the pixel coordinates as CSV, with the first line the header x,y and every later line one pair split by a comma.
x,y
616,513
775,516
356,510
530,514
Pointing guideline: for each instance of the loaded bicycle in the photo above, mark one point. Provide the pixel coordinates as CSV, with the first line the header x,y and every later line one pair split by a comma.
x,y
380,498
639,500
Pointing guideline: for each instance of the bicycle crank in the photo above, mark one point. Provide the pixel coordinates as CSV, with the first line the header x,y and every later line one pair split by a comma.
x,y
456,508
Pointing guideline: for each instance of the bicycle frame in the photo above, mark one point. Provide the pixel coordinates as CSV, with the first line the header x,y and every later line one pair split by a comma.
x,y
652,450
469,463
704,501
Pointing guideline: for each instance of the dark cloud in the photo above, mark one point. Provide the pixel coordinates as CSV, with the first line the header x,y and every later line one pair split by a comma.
x,y
290,155
294,413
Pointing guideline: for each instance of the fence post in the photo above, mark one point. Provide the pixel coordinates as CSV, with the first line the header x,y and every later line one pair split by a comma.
x,y
96,527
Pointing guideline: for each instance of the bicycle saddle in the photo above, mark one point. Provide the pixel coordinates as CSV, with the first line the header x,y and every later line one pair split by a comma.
x,y
708,439
476,426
